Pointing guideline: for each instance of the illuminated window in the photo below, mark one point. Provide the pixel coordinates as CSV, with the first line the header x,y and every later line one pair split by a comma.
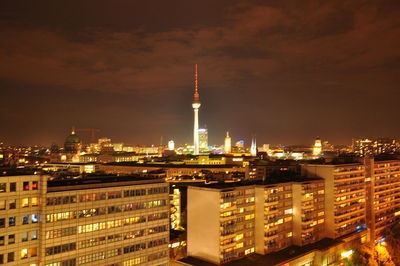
x,y
25,186
239,245
34,218
238,237
3,187
34,185
34,201
250,216
289,211
24,202
289,234
24,253
2,204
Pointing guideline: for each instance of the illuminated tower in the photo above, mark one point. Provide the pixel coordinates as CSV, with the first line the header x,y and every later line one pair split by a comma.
x,y
253,149
196,105
228,143
171,145
317,148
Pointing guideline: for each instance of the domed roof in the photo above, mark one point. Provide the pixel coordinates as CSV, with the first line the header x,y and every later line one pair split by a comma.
x,y
73,138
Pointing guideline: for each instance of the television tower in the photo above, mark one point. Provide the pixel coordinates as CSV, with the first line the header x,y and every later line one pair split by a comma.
x,y
196,105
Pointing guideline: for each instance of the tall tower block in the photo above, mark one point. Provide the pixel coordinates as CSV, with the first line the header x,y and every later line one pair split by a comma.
x,y
227,144
196,105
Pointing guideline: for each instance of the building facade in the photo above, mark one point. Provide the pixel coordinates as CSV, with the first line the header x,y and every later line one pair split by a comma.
x,y
119,222
383,195
345,192
228,222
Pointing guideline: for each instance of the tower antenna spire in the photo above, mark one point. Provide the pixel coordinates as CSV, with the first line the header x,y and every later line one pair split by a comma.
x,y
196,96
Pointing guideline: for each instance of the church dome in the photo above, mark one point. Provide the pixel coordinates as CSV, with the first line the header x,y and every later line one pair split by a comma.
x,y
72,143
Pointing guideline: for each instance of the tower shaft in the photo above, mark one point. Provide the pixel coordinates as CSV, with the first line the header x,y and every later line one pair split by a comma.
x,y
196,105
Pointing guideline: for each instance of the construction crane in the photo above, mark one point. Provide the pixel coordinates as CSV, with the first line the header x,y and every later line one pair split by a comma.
x,y
92,132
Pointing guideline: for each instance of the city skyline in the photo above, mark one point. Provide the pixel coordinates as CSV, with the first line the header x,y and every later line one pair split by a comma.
x,y
267,69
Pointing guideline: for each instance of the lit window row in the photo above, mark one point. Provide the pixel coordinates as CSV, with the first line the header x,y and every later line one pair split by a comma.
x,y
12,187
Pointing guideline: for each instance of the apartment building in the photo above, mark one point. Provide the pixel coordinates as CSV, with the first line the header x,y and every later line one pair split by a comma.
x,y
221,220
345,192
230,221
383,195
117,221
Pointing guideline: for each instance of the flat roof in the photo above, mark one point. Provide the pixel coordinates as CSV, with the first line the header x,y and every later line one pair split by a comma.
x,y
271,259
98,181
225,185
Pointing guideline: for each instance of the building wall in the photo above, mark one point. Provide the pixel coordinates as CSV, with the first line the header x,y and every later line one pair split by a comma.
x,y
383,198
203,212
79,225
345,192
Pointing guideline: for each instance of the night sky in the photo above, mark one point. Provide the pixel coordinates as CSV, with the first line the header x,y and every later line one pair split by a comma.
x,y
287,71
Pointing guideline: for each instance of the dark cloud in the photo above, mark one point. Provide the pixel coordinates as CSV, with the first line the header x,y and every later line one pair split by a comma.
x,y
286,70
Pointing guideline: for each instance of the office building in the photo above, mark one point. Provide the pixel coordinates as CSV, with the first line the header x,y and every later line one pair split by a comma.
x,y
203,139
112,221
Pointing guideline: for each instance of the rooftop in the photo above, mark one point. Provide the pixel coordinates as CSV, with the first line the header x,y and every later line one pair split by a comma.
x,y
275,258
98,181
227,185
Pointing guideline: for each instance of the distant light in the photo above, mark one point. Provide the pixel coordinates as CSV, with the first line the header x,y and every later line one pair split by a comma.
x,y
347,254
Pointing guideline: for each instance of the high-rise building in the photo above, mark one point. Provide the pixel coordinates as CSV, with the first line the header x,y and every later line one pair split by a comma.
x,y
196,105
383,195
203,138
227,143
317,148
227,222
344,196
253,148
171,145
110,221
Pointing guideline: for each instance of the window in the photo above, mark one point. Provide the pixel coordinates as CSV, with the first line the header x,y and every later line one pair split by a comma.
x,y
25,219
24,253
24,202
24,237
35,185
3,187
1,240
11,221
34,235
34,201
10,257
2,222
2,204
114,195
33,252
1,259
34,218
25,186
12,204
11,239
13,187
